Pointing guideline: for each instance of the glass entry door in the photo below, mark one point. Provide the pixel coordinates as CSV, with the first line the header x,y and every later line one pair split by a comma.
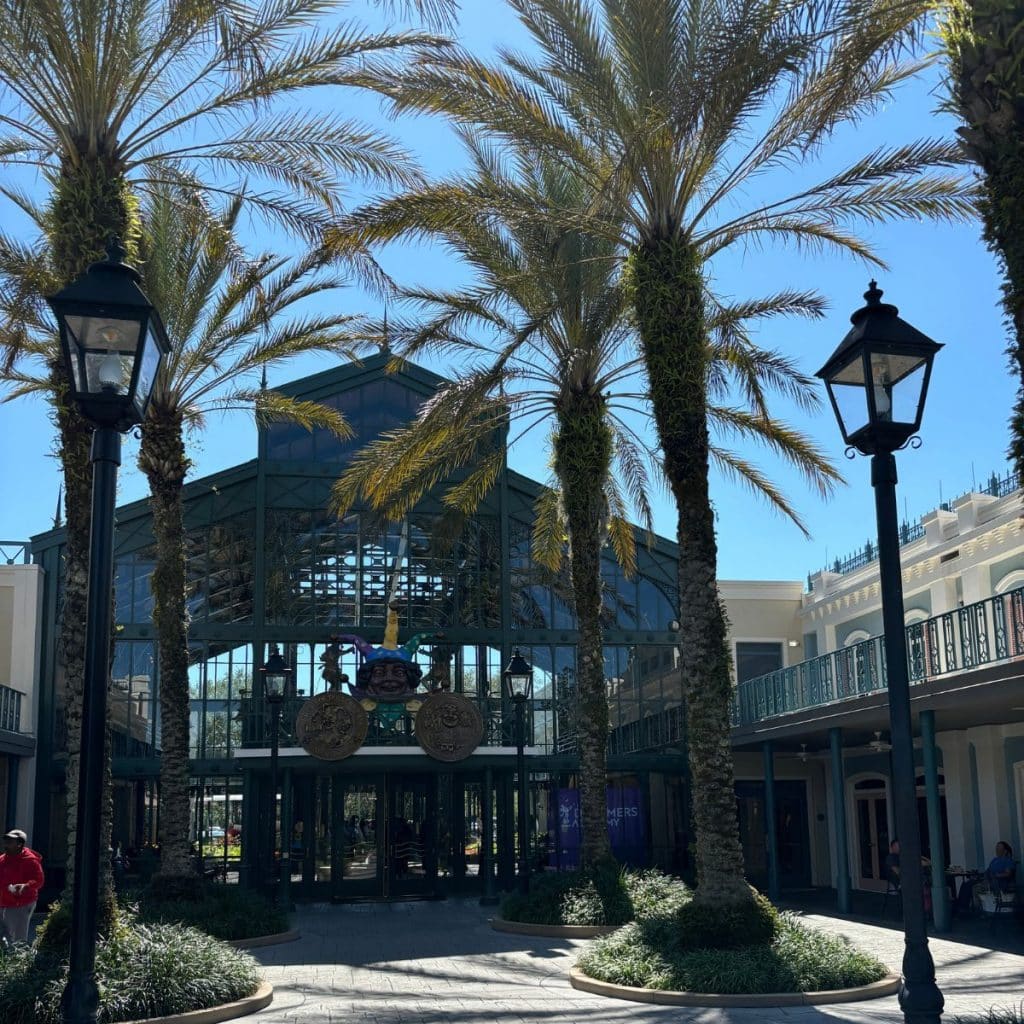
x,y
357,841
411,840
872,816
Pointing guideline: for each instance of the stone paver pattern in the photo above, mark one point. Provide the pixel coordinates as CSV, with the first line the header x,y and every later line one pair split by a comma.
x,y
434,962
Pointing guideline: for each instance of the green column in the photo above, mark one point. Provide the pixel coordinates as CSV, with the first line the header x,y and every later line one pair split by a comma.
x,y
941,911
490,895
284,888
835,742
771,839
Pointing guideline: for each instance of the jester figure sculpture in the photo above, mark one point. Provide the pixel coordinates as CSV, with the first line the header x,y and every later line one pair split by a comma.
x,y
388,673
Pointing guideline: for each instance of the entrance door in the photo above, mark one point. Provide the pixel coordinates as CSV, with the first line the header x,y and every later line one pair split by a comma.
x,y
792,836
871,810
411,859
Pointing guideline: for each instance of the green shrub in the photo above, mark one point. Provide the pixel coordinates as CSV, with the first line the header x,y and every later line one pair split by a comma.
x,y
605,895
53,935
593,897
997,1015
223,911
654,894
142,970
710,926
649,954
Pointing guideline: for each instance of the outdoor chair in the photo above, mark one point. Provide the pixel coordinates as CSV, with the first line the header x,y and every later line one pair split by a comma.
x,y
1003,902
893,890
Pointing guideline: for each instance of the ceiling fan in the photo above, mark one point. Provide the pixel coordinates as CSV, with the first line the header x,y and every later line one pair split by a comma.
x,y
878,745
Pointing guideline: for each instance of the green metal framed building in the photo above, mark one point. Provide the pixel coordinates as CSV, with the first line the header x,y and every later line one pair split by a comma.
x,y
267,563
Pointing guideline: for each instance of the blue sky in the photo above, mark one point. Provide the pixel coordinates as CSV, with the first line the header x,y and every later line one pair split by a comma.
x,y
941,277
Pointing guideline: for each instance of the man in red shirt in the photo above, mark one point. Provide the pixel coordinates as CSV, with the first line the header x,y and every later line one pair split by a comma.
x,y
21,878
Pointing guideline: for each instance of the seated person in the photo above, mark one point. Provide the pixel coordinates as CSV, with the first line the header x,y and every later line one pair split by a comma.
x,y
892,864
892,871
1001,871
1000,876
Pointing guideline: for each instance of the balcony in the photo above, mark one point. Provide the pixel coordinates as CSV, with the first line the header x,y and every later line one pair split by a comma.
x,y
985,633
10,709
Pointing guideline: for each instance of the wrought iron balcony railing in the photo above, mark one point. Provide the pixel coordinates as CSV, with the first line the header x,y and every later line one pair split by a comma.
x,y
10,709
983,633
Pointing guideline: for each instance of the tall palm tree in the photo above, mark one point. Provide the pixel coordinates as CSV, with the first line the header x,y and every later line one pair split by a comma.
x,y
230,318
985,49
111,98
559,350
670,110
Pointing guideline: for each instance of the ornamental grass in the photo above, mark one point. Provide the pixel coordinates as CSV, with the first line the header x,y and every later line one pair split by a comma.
x,y
143,970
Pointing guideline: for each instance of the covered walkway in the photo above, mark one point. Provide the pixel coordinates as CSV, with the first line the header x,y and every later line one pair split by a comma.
x,y
428,963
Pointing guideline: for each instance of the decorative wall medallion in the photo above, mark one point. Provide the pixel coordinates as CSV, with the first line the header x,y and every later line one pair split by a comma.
x,y
449,727
331,725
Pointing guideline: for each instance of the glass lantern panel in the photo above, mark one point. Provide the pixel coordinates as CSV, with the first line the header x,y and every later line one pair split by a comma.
x,y
906,396
109,347
148,368
852,405
897,381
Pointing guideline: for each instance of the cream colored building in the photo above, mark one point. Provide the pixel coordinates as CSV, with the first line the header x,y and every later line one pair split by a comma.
x,y
824,697
20,619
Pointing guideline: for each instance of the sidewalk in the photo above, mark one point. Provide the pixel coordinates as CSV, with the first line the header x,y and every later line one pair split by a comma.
x,y
428,963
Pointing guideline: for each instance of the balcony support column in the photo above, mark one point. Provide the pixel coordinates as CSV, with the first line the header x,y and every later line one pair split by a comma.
x,y
771,839
489,898
835,743
284,889
941,911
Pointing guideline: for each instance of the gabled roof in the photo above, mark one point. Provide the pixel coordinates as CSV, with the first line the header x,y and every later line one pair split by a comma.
x,y
355,374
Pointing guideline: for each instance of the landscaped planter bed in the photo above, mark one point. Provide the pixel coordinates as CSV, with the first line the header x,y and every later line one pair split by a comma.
x,y
258,941
261,998
553,931
887,986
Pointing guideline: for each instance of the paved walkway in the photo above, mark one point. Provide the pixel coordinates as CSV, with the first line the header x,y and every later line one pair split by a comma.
x,y
428,963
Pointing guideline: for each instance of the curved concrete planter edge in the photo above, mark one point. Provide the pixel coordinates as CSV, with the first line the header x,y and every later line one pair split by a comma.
x,y
265,940
553,931
887,986
262,997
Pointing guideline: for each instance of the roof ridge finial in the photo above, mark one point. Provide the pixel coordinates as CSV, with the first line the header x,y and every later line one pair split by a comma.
x,y
385,337
58,519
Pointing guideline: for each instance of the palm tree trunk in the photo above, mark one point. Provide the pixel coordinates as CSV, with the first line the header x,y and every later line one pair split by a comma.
x,y
669,301
162,458
582,463
90,203
988,77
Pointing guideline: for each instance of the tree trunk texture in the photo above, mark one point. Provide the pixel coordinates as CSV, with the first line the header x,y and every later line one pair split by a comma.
x,y
988,83
162,458
583,450
90,203
669,301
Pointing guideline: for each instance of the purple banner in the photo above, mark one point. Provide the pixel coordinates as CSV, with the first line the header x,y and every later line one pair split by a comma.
x,y
626,825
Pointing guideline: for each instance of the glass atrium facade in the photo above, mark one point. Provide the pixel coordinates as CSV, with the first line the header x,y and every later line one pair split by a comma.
x,y
268,563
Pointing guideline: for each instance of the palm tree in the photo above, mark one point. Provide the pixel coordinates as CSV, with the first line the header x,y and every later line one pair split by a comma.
x,y
556,315
985,49
669,110
229,319
113,98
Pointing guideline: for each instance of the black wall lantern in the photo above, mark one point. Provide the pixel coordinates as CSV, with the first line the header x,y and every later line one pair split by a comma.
x,y
112,339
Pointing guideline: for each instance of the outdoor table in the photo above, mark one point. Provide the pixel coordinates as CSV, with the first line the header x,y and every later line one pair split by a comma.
x,y
963,874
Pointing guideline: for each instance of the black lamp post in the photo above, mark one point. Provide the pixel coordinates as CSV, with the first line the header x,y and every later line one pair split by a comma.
x,y
877,380
519,687
275,672
113,344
